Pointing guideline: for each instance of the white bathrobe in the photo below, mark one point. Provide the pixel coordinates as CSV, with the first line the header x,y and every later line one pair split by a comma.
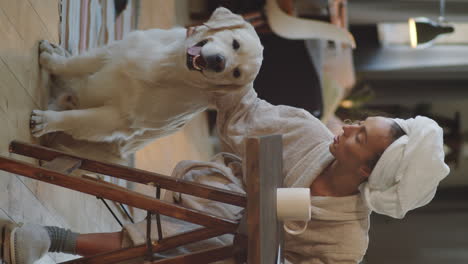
x,y
338,230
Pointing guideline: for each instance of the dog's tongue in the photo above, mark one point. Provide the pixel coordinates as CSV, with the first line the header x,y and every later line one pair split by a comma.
x,y
194,51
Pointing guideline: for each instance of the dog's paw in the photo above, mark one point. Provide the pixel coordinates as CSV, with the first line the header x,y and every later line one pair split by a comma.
x,y
49,57
51,62
46,46
38,123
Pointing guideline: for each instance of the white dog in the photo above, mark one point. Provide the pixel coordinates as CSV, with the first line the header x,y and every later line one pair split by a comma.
x,y
151,83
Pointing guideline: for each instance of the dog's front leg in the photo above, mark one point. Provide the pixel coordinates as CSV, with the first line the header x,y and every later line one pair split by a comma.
x,y
93,124
74,66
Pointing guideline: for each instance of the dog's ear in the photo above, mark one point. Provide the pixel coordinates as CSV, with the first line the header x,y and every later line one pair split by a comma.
x,y
224,18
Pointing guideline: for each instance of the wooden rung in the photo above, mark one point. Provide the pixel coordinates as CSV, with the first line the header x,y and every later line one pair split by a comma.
x,y
115,186
63,164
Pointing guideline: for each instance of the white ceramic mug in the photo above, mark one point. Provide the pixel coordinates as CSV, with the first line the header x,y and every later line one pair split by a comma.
x,y
293,204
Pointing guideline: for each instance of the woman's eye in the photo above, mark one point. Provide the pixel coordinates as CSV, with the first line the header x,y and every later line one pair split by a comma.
x,y
236,73
235,44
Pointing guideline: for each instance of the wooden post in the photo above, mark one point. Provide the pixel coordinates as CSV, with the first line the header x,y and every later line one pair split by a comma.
x,y
263,171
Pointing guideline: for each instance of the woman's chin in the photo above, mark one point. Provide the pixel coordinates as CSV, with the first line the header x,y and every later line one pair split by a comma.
x,y
332,149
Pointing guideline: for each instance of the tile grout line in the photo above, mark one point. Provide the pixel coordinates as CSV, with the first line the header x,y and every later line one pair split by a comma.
x,y
6,64
21,85
4,110
51,214
7,214
40,18
19,33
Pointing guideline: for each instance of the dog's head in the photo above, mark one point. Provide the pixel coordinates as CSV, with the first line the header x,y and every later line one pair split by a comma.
x,y
225,51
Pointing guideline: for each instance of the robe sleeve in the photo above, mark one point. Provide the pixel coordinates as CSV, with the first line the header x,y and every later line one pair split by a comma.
x,y
244,114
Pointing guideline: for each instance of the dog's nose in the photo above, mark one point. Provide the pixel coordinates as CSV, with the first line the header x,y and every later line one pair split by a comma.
x,y
216,62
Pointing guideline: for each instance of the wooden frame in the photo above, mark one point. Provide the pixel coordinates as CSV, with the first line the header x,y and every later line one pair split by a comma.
x,y
263,171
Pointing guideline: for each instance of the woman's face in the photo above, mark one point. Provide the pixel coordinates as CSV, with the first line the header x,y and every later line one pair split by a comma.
x,y
361,142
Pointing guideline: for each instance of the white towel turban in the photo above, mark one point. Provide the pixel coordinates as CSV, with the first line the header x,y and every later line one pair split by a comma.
x,y
409,170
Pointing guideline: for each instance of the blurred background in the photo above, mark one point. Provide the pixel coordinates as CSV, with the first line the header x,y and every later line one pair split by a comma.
x,y
309,62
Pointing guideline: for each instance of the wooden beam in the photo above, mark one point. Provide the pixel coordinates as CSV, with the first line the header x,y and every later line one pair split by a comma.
x,y
139,251
106,191
132,174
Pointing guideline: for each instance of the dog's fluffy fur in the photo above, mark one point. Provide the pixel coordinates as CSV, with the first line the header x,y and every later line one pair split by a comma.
x,y
149,84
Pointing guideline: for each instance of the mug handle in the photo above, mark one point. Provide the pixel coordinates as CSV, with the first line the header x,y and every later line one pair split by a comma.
x,y
295,232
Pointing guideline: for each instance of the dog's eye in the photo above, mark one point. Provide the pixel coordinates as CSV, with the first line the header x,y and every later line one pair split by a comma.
x,y
235,44
236,73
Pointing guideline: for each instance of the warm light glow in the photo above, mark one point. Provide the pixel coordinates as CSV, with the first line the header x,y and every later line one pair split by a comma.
x,y
347,104
412,32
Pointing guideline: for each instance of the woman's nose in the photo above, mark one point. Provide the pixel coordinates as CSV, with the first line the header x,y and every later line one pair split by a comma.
x,y
348,129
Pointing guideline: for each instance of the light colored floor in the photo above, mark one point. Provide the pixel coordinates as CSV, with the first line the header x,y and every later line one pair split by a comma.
x,y
22,24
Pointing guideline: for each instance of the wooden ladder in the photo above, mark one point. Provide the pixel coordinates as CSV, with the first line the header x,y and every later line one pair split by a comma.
x,y
58,165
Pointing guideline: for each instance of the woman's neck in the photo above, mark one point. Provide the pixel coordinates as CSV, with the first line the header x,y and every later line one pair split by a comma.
x,y
336,181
